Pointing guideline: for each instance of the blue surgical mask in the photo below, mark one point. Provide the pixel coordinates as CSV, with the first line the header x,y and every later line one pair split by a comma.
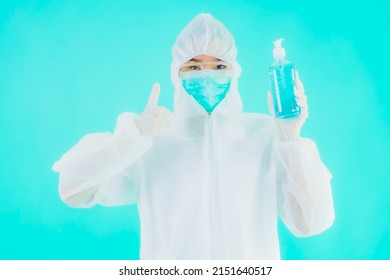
x,y
208,87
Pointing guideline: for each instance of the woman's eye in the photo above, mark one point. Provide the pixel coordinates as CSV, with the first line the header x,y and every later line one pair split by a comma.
x,y
221,66
194,67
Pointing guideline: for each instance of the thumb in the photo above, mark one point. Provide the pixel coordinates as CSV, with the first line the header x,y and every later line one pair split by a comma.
x,y
270,104
298,83
154,95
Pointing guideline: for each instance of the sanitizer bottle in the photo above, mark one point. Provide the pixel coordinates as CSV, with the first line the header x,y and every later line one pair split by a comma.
x,y
281,79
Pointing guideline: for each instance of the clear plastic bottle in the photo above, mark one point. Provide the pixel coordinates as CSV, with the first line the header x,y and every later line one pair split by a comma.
x,y
281,78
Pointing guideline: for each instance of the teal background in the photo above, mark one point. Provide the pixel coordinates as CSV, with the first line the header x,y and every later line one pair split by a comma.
x,y
68,68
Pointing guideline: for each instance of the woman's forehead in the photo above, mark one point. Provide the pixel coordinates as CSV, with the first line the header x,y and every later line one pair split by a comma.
x,y
205,58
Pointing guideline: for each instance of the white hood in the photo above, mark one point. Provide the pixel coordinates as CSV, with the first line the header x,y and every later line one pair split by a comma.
x,y
204,35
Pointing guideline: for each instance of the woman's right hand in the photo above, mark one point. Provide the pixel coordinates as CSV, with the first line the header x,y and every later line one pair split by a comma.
x,y
154,120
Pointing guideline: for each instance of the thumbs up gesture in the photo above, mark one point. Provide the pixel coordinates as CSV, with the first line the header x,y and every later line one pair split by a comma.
x,y
154,120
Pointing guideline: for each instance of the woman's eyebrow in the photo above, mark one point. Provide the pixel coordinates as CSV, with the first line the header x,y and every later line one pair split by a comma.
x,y
197,60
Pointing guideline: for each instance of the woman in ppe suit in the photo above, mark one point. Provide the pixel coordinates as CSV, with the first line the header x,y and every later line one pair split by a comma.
x,y
209,180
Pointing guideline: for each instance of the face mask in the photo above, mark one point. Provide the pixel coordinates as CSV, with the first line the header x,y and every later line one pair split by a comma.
x,y
208,87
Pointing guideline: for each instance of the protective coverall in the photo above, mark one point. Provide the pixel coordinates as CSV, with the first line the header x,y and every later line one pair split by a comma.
x,y
214,185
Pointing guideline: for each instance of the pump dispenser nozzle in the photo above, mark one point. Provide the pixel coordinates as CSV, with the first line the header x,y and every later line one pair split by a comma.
x,y
279,52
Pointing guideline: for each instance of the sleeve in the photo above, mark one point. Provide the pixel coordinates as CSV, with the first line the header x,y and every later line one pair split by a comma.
x,y
304,191
102,168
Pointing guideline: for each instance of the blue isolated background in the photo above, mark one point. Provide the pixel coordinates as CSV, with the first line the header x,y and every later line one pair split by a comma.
x,y
68,68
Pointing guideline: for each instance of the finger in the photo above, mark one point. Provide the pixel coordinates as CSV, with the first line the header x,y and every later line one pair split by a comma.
x,y
301,102
161,122
270,104
296,75
154,96
298,83
167,118
299,94
299,91
304,112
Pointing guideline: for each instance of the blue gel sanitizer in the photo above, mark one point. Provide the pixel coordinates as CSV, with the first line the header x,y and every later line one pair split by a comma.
x,y
281,78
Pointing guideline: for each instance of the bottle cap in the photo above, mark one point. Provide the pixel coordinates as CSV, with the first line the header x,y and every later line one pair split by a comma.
x,y
278,51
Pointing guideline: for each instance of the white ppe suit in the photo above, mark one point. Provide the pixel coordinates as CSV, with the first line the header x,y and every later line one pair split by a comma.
x,y
213,186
